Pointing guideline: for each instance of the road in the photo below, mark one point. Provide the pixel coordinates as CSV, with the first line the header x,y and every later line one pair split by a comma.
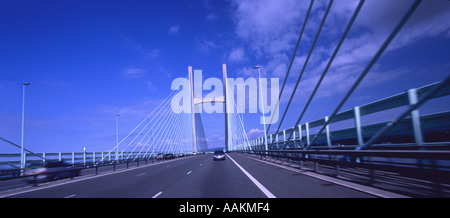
x,y
196,177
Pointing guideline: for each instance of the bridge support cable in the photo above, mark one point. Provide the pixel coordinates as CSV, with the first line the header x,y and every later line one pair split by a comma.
x,y
330,61
239,139
162,109
164,121
150,137
163,124
132,131
12,143
165,133
290,64
159,137
380,51
175,142
166,137
305,64
246,143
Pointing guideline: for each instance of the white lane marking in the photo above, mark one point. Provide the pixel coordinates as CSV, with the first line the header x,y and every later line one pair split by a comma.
x,y
258,184
355,186
70,196
159,193
189,172
140,174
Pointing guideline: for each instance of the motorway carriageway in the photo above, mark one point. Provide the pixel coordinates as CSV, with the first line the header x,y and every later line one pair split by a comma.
x,y
195,177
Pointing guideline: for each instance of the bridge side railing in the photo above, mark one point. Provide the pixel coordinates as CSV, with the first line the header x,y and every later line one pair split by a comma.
x,y
413,127
10,162
431,166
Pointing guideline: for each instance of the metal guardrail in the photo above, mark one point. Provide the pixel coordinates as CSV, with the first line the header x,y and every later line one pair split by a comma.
x,y
432,166
94,165
415,126
84,158
11,162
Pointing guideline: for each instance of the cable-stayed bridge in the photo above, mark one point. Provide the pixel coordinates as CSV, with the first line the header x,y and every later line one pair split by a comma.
x,y
405,156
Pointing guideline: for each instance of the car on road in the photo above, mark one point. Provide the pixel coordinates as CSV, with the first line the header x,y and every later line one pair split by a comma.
x,y
168,156
219,155
160,156
50,170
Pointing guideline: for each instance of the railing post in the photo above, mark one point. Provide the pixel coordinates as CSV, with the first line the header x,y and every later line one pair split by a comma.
x,y
415,117
359,135
24,160
307,133
338,171
300,131
327,129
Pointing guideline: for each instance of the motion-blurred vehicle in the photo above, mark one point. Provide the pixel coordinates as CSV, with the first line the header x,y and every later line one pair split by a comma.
x,y
219,155
160,156
180,155
51,170
169,156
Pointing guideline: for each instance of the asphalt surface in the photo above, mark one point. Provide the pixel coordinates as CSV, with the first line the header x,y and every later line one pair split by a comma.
x,y
195,177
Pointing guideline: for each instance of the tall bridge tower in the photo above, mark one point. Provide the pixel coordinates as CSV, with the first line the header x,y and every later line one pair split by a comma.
x,y
195,101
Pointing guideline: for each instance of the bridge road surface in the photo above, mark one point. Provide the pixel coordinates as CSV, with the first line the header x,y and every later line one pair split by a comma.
x,y
195,177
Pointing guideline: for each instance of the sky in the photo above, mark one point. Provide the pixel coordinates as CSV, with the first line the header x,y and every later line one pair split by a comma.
x,y
87,61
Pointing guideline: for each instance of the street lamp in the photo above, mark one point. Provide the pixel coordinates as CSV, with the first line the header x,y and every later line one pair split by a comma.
x,y
22,156
262,106
117,136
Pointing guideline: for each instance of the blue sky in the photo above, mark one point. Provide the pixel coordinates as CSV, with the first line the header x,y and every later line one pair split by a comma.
x,y
90,60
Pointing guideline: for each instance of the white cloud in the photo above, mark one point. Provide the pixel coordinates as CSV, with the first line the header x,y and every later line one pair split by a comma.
x,y
211,17
255,133
133,72
146,53
174,29
153,53
268,26
205,46
237,55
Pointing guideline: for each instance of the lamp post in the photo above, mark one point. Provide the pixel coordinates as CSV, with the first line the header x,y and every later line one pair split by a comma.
x,y
22,156
262,107
117,136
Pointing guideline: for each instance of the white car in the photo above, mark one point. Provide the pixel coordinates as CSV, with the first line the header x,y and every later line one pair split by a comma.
x,y
50,170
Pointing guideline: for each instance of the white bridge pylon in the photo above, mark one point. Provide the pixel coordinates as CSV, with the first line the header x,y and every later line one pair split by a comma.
x,y
196,101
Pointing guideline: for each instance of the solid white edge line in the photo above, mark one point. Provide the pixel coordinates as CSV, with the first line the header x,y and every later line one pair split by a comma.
x,y
362,188
258,184
159,193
